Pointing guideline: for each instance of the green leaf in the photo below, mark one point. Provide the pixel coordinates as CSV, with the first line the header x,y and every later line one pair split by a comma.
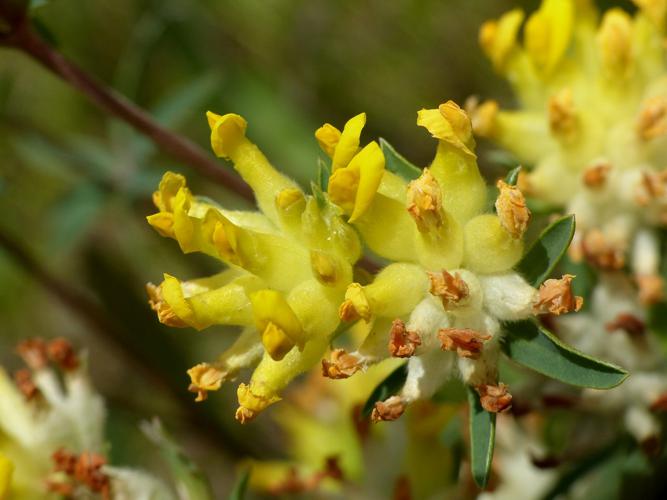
x,y
533,346
512,176
396,163
388,387
238,493
545,253
482,439
323,174
318,194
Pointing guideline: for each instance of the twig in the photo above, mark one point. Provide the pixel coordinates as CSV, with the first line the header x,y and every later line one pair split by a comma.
x,y
24,38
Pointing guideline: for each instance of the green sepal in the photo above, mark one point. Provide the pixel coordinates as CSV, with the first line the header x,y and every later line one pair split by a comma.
x,y
396,163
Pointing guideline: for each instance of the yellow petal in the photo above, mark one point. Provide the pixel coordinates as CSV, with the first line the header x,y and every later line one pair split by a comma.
x,y
276,321
370,163
170,185
348,145
343,186
328,137
227,304
163,223
548,32
498,38
615,42
450,124
227,131
228,140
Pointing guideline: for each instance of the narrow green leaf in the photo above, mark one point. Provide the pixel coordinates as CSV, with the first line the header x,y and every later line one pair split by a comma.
x,y
323,174
396,163
318,194
545,253
482,439
388,387
533,346
238,493
512,176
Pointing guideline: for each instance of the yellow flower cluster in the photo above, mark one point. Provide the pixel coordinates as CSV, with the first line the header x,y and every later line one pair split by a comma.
x,y
293,282
591,121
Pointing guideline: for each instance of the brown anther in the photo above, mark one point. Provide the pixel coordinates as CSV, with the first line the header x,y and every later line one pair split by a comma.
x,y
402,343
512,210
204,377
61,352
24,382
424,202
494,398
563,120
88,471
601,254
651,288
33,352
660,404
596,175
293,483
449,287
244,415
64,461
332,469
652,121
347,311
387,410
466,342
556,297
165,314
653,186
629,323
341,365
84,469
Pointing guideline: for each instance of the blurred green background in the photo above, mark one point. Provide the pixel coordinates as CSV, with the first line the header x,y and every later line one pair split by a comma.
x,y
75,184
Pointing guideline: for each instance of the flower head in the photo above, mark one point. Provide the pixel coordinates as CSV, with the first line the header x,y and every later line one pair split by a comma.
x,y
289,282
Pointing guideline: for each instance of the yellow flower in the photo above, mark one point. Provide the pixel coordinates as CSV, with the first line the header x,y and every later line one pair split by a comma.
x,y
591,125
291,265
356,173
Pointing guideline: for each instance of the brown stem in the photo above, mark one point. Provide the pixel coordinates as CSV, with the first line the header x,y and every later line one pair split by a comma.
x,y
23,37
95,317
